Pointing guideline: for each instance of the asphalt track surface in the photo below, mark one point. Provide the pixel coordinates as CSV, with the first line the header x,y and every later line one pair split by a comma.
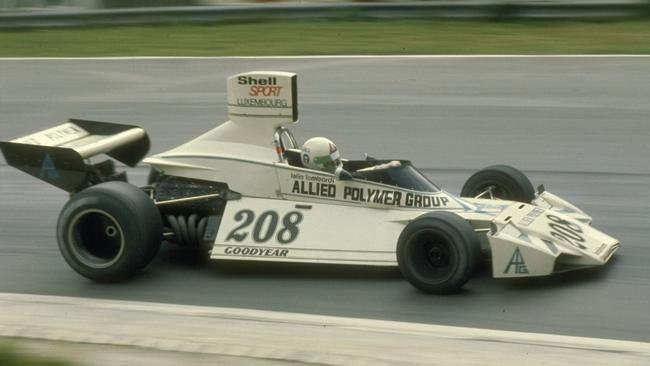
x,y
579,125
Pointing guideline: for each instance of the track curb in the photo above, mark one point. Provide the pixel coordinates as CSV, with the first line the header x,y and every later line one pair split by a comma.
x,y
267,335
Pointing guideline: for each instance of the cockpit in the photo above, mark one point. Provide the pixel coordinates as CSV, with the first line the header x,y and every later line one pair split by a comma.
x,y
397,173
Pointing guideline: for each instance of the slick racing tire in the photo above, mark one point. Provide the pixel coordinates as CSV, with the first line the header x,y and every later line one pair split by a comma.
x,y
499,182
438,252
109,232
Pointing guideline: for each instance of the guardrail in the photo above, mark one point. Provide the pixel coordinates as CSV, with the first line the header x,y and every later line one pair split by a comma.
x,y
413,10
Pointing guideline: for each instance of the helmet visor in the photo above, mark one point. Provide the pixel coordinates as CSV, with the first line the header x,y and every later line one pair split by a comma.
x,y
329,162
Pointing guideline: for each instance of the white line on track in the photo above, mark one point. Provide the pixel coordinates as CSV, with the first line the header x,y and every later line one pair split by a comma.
x,y
312,57
259,335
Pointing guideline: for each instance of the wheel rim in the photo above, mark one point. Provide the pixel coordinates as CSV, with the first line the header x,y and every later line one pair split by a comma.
x,y
95,238
492,191
434,256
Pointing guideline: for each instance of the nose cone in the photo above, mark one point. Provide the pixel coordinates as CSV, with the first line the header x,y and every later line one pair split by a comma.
x,y
545,241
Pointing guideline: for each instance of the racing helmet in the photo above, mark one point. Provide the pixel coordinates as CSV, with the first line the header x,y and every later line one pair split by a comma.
x,y
320,153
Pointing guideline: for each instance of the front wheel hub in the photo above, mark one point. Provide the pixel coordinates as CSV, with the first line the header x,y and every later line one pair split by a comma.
x,y
438,256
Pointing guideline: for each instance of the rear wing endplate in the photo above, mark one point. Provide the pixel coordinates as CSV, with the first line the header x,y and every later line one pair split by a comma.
x,y
57,155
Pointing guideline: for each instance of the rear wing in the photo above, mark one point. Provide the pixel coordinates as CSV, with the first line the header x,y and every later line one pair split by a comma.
x,y
58,154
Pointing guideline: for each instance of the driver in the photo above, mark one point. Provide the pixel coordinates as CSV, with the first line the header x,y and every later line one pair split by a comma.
x,y
320,153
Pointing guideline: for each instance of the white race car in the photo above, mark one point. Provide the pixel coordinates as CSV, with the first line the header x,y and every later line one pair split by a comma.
x,y
241,192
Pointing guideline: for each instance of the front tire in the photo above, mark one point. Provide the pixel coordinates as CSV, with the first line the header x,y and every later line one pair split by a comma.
x,y
499,182
109,232
438,252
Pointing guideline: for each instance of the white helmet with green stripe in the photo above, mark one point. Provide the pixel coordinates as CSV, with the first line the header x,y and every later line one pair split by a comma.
x,y
320,153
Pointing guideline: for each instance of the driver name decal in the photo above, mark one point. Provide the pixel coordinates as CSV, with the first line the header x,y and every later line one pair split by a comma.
x,y
313,185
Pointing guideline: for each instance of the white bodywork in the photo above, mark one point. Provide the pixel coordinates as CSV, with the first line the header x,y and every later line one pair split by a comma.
x,y
85,143
289,213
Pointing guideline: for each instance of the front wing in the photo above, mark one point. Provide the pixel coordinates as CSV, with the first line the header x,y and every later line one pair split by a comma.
x,y
528,240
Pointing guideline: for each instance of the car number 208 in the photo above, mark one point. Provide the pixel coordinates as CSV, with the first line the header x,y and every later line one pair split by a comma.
x,y
566,231
265,226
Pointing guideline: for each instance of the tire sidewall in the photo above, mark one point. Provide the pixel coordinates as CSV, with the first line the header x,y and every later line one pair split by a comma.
x,y
513,181
139,226
462,242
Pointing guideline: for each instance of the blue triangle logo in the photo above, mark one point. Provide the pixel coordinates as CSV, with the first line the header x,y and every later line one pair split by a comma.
x,y
48,169
517,263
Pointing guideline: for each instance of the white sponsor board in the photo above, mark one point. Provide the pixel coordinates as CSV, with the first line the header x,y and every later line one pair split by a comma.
x,y
263,95
55,136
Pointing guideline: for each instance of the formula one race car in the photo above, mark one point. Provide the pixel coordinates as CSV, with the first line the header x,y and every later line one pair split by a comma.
x,y
241,192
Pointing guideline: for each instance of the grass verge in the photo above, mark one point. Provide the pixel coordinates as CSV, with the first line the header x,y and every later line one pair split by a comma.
x,y
12,356
335,37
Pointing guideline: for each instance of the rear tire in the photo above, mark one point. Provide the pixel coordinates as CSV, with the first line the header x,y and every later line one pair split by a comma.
x,y
499,182
109,232
438,252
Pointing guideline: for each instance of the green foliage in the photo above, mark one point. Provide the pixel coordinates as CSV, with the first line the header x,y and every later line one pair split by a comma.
x,y
322,37
11,356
